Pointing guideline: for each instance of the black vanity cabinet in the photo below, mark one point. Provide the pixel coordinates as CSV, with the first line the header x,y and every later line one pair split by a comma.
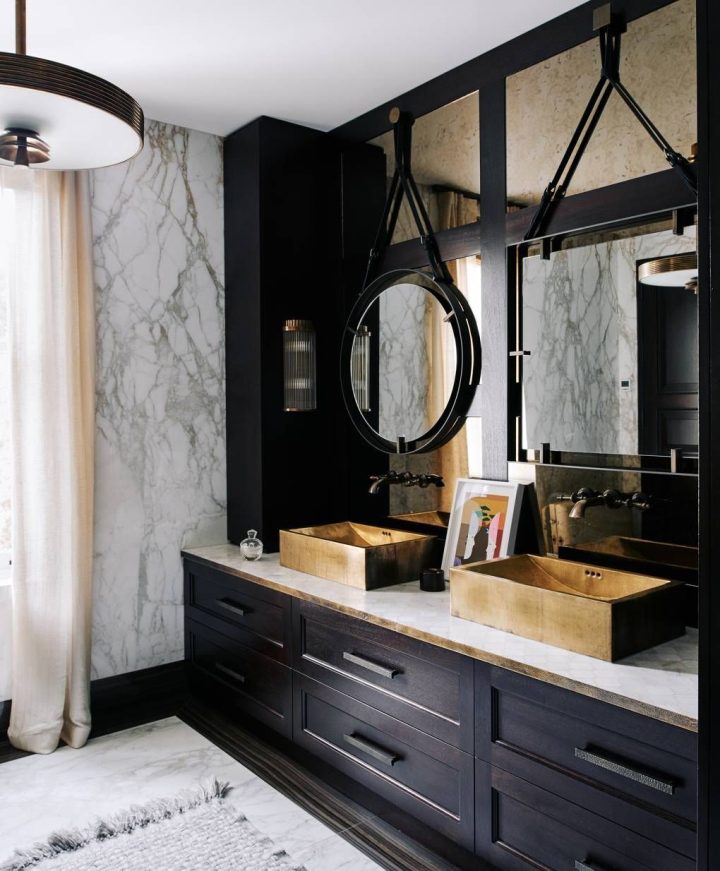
x,y
237,644
523,774
564,781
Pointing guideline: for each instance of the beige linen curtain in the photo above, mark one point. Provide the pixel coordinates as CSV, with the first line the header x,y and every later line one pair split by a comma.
x,y
454,210
47,247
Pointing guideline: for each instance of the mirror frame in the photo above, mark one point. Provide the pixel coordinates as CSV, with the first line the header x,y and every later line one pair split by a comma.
x,y
467,372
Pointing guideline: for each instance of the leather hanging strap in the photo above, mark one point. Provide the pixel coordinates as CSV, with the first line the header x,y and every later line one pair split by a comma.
x,y
609,38
403,185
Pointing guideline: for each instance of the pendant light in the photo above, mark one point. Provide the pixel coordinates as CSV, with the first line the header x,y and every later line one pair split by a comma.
x,y
54,116
676,270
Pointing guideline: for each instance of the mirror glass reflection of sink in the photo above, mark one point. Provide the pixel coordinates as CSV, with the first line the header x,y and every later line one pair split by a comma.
x,y
645,550
578,606
433,518
356,554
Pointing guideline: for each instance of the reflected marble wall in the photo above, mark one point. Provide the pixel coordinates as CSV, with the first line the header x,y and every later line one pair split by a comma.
x,y
160,466
580,325
404,365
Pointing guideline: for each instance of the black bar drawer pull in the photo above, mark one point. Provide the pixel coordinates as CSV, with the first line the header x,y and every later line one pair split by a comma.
x,y
372,749
363,662
589,866
617,766
235,675
232,606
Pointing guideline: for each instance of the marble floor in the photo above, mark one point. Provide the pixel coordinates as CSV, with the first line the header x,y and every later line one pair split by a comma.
x,y
39,794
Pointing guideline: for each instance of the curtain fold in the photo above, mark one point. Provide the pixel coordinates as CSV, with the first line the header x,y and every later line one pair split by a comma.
x,y
454,210
48,248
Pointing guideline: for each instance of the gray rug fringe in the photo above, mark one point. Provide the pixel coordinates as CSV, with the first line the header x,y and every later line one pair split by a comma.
x,y
138,816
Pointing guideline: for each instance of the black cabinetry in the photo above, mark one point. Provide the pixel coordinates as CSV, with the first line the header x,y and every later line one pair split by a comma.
x,y
523,774
300,211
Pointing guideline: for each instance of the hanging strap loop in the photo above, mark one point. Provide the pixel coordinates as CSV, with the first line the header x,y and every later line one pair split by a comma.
x,y
402,185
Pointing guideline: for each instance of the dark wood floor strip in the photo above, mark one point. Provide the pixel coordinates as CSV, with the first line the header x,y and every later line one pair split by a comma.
x,y
368,833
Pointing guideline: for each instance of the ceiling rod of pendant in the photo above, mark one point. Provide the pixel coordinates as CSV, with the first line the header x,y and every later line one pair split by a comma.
x,y
610,29
20,27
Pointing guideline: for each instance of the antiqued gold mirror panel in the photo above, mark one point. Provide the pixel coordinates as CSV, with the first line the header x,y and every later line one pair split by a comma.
x,y
545,103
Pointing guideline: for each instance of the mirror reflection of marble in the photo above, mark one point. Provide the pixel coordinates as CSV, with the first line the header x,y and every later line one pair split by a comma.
x,y
415,349
581,381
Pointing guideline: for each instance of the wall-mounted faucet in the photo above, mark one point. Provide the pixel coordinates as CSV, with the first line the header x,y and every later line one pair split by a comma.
x,y
407,479
586,497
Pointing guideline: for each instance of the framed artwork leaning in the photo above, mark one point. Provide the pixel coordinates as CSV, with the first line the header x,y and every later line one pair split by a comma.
x,y
483,522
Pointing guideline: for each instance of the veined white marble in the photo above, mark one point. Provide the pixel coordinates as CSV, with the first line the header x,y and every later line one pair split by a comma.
x,y
661,683
404,366
580,325
69,788
160,467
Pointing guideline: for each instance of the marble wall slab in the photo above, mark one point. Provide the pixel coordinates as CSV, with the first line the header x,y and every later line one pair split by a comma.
x,y
580,326
160,465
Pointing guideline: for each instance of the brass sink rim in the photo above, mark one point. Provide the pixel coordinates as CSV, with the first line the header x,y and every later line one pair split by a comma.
x,y
477,569
404,536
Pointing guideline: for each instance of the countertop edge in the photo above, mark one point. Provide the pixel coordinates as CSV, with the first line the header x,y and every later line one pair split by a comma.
x,y
689,724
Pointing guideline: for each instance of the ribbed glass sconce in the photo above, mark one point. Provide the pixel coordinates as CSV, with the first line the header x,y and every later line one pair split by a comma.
x,y
360,367
299,359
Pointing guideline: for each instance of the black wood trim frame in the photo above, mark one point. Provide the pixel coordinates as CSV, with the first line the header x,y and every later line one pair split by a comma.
x,y
659,193
708,29
535,46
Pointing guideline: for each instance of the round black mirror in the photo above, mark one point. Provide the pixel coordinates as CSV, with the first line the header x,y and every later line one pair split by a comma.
x,y
409,362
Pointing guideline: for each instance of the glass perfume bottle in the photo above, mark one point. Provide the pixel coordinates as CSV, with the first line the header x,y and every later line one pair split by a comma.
x,y
251,547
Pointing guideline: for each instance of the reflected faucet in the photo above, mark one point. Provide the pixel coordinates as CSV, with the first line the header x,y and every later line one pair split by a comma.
x,y
586,497
407,479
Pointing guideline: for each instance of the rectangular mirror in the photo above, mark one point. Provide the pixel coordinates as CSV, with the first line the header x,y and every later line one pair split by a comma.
x,y
612,366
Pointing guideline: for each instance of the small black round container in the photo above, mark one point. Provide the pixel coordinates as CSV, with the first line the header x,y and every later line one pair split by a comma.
x,y
432,580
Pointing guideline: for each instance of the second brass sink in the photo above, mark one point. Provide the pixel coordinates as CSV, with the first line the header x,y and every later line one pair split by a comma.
x,y
356,554
581,607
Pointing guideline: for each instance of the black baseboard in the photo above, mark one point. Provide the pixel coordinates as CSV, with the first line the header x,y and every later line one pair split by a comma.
x,y
121,702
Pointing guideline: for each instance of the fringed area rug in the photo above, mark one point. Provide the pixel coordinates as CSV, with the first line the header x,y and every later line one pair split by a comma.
x,y
195,831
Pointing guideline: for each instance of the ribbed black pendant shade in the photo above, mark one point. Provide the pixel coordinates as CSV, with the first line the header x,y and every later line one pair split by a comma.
x,y
55,116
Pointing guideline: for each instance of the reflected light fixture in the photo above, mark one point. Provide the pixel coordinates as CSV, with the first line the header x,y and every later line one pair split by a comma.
x,y
360,367
299,366
676,270
54,116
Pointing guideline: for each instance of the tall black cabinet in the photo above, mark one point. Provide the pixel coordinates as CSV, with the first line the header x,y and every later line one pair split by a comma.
x,y
300,213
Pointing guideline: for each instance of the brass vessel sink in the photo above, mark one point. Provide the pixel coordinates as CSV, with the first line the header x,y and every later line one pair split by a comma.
x,y
355,554
581,607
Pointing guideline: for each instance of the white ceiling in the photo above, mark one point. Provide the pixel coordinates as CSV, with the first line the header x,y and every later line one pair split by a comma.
x,y
214,65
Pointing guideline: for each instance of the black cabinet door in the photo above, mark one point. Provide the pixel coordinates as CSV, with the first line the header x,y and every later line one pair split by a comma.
x,y
425,777
420,684
522,827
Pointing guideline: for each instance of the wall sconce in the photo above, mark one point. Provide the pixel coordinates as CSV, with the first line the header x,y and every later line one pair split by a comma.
x,y
675,270
360,367
299,366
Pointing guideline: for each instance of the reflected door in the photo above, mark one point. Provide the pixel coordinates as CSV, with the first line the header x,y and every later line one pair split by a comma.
x,y
668,369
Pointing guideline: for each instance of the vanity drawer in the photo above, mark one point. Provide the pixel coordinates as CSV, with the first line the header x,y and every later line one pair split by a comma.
x,y
259,617
421,775
635,759
425,686
521,827
247,680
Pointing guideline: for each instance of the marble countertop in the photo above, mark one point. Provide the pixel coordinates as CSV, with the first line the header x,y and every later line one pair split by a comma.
x,y
661,682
